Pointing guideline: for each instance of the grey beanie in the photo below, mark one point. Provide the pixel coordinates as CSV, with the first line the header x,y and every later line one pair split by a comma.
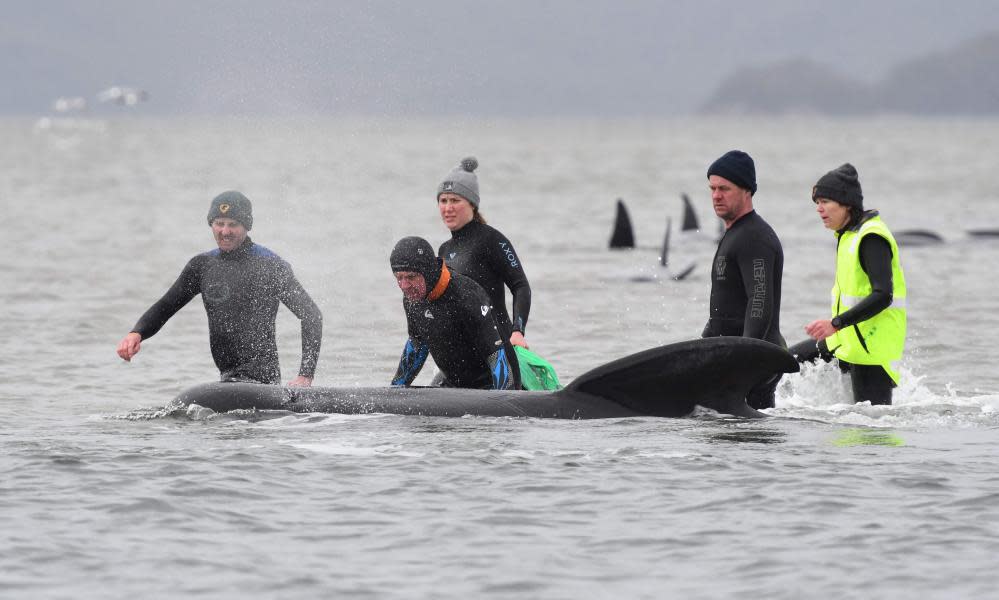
x,y
232,205
840,185
462,181
737,167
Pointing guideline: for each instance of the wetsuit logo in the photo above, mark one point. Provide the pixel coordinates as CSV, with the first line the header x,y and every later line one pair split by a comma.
x,y
720,264
485,310
428,314
510,256
224,208
452,255
759,288
217,292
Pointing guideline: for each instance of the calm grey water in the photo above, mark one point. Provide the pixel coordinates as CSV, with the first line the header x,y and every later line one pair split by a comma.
x,y
104,494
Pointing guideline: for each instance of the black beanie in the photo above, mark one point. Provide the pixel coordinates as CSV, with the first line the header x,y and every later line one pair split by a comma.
x,y
414,254
737,167
232,205
840,185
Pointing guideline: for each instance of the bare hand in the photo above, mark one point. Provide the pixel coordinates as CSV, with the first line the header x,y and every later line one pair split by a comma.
x,y
820,329
129,346
300,381
517,339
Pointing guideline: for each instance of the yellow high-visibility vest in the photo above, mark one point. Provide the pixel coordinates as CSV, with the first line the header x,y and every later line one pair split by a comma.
x,y
879,340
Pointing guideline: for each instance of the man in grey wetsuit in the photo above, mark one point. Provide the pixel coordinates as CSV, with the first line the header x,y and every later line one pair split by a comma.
x,y
241,284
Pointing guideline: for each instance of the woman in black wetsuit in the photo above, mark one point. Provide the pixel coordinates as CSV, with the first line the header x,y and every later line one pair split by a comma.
x,y
481,252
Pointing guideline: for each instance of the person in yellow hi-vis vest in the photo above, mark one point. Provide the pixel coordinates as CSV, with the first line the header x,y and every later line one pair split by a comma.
x,y
866,332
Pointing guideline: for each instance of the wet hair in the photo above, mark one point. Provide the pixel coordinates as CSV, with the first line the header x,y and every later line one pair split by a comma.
x,y
477,216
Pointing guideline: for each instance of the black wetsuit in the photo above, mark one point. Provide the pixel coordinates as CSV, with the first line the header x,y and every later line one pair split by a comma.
x,y
459,330
241,290
484,254
869,382
745,290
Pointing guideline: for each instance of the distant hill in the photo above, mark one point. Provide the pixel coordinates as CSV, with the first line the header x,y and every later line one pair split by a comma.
x,y
960,81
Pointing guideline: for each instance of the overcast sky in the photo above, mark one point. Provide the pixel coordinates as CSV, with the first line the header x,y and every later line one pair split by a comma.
x,y
420,57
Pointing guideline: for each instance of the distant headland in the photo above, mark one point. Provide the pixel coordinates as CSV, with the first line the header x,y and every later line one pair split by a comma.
x,y
963,80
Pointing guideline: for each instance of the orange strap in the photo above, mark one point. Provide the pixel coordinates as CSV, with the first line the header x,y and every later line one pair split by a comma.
x,y
442,283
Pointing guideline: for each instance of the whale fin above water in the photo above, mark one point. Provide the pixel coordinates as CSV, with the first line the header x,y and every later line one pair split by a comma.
x,y
689,216
684,273
664,255
669,381
623,235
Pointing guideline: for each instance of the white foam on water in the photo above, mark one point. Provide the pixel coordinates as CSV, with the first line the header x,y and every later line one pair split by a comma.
x,y
822,392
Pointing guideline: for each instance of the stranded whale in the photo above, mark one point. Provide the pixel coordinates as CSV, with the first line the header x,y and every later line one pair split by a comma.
x,y
668,381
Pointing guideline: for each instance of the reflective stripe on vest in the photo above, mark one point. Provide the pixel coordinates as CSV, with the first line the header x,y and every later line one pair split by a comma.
x,y
879,340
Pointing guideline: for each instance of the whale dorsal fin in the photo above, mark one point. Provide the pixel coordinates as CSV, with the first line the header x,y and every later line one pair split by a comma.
x,y
669,381
623,235
689,216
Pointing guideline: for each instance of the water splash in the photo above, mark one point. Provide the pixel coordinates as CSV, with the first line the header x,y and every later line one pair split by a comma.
x,y
823,393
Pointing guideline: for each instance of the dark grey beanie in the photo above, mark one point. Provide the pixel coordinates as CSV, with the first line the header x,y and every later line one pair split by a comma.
x,y
232,205
414,254
737,167
462,181
840,185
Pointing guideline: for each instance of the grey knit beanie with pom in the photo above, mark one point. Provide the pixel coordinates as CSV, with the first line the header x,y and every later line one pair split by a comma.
x,y
462,181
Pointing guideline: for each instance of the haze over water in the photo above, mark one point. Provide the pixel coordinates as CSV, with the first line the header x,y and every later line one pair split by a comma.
x,y
105,495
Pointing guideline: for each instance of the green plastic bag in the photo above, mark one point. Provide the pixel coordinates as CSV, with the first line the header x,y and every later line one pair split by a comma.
x,y
536,373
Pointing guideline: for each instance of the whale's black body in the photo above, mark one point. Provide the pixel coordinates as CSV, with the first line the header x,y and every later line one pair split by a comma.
x,y
668,381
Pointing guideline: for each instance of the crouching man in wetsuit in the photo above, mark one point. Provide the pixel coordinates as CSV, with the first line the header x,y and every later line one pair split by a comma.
x,y
748,265
241,284
450,318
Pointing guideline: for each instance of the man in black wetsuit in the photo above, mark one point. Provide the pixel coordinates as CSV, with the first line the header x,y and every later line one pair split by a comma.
x,y
241,284
450,318
747,267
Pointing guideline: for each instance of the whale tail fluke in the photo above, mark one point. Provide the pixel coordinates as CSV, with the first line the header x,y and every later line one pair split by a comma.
x,y
623,235
671,380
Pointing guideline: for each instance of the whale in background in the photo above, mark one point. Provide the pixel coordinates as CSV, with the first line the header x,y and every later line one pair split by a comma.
x,y
623,235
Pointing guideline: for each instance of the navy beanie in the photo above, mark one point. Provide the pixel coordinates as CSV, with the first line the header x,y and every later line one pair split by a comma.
x,y
232,205
737,167
840,185
414,254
